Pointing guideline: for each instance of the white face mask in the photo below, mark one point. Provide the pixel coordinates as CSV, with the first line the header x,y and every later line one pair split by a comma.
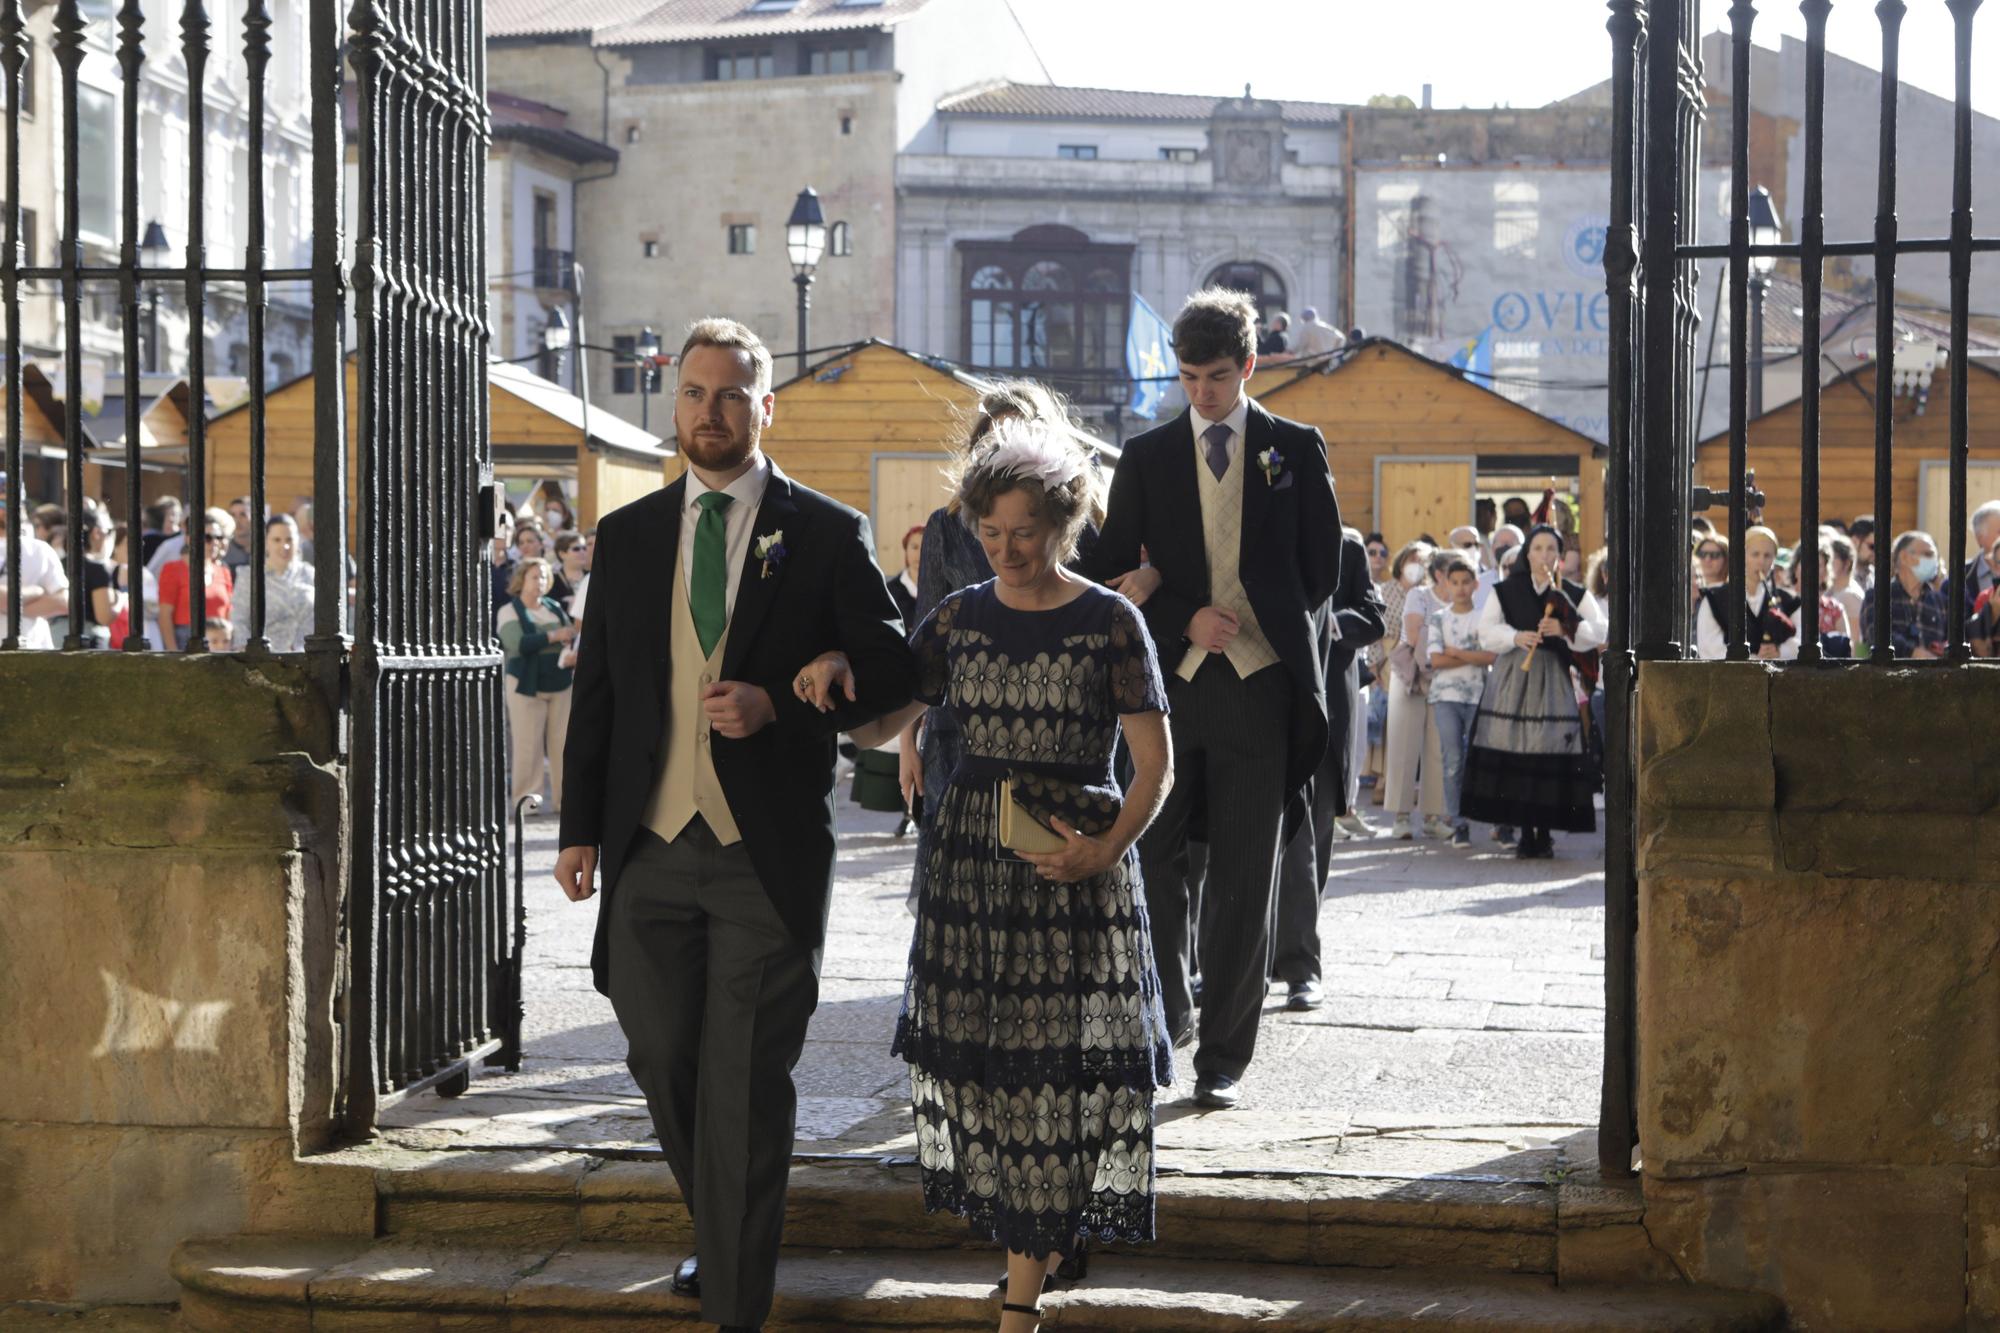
x,y
1413,572
555,519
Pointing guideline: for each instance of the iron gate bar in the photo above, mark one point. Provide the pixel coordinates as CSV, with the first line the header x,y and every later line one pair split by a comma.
x,y
256,58
329,640
1735,629
1890,13
68,42
1617,1114
131,55
1812,265
1835,249
1962,12
116,272
194,54
13,54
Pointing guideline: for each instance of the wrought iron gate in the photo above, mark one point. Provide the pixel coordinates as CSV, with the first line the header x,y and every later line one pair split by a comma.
x,y
436,964
1658,109
433,949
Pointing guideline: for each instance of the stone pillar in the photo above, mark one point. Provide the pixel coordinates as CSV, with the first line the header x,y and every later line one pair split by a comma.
x,y
1819,1012
170,892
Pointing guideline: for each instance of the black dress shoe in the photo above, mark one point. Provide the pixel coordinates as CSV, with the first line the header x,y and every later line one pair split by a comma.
x,y
687,1278
1217,1092
1301,996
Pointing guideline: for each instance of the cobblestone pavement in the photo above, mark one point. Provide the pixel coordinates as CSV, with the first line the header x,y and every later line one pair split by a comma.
x,y
1462,1030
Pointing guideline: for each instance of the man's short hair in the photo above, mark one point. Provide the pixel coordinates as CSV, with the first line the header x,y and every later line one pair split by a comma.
x,y
735,337
1213,324
1447,558
1988,511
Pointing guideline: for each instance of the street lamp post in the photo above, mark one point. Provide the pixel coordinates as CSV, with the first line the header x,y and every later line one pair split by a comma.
x,y
805,242
556,340
154,244
648,353
1765,229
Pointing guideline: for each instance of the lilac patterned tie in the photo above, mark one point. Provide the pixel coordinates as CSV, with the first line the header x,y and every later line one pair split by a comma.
x,y
1215,446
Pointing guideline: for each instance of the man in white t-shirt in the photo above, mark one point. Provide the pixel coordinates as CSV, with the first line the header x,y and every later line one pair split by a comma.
x,y
44,584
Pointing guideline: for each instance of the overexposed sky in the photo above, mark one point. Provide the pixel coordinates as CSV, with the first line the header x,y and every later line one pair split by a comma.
x,y
1523,53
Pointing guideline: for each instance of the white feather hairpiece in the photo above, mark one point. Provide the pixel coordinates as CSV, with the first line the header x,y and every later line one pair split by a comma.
x,y
1032,451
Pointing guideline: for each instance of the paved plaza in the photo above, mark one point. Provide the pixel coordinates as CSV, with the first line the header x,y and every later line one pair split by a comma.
x,y
1462,1028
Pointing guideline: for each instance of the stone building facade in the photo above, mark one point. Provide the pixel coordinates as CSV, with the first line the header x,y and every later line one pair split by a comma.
x,y
719,122
164,127
1035,213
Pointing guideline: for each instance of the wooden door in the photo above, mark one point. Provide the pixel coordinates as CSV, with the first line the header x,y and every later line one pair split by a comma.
x,y
1982,483
1415,496
905,489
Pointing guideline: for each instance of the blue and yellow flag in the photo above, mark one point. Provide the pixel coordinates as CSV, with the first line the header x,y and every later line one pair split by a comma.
x,y
1149,357
1475,358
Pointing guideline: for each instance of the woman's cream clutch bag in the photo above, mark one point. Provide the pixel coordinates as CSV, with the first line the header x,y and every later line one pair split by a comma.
x,y
1021,831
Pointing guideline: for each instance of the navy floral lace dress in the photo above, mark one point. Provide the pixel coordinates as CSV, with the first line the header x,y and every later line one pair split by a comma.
x,y
1031,1017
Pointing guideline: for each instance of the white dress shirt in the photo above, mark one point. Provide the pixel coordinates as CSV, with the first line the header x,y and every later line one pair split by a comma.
x,y
1712,645
746,493
1497,636
1238,416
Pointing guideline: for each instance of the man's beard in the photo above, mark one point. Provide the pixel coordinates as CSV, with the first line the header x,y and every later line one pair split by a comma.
x,y
717,453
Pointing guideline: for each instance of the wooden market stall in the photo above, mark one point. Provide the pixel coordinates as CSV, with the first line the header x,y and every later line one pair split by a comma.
x,y
1921,439
42,446
165,408
1414,444
537,432
873,428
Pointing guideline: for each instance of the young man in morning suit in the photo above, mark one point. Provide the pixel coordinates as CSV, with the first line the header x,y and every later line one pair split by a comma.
x,y
1235,509
706,788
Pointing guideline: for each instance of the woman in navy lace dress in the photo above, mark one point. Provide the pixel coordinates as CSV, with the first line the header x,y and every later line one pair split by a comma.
x,y
1031,1016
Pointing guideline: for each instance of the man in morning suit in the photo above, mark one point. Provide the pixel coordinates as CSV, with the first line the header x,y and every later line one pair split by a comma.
x,y
1235,509
1352,621
705,787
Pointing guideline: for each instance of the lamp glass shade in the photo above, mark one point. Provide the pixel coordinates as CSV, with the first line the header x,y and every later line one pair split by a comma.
x,y
555,333
649,344
155,239
805,232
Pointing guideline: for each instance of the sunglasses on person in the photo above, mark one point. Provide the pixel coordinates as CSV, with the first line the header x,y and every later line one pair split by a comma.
x,y
1709,553
213,537
1378,553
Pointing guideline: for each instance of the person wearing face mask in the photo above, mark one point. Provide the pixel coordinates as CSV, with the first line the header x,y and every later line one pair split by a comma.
x,y
1410,743
557,516
1917,606
1527,765
1773,612
1505,539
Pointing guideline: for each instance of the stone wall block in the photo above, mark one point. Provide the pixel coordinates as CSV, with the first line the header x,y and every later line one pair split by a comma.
x,y
1831,1021
1699,728
1871,1249
1884,743
147,987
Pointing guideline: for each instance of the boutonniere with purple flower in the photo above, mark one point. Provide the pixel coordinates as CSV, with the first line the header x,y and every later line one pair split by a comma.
x,y
770,548
1272,464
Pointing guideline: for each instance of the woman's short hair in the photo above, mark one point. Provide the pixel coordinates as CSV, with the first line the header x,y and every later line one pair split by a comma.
x,y
525,528
1710,538
519,578
569,541
915,530
1416,550
222,518
1447,558
1213,324
1834,544
1048,461
1597,574
282,521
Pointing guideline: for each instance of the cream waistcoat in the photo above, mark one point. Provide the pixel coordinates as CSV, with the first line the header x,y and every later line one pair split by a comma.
x,y
1222,533
686,785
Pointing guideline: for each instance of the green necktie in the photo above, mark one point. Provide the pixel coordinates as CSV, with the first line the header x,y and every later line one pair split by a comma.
x,y
708,593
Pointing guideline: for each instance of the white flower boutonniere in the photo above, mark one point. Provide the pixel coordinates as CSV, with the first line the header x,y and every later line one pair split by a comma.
x,y
1272,463
770,549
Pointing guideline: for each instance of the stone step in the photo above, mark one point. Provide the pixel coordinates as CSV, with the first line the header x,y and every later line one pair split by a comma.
x,y
268,1284
1321,1219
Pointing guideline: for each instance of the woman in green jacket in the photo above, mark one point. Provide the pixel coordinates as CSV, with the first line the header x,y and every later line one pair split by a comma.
x,y
536,634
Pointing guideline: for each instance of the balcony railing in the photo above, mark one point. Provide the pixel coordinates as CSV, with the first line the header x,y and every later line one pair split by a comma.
x,y
553,270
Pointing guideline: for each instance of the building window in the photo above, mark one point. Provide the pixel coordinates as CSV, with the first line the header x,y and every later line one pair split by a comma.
x,y
1046,303
1517,218
847,124
840,240
1259,282
742,238
1077,152
624,375
773,6
1180,154
97,162
631,134
282,371
649,249
837,60
742,65
30,246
